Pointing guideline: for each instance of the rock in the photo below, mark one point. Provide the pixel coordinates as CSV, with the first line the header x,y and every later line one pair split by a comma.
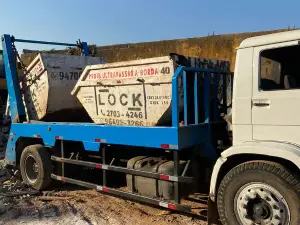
x,y
7,182
5,129
2,163
17,174
2,154
6,120
2,208
4,188
2,173
4,178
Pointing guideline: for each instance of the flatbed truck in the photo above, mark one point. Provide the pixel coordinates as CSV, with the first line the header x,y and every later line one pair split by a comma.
x,y
253,181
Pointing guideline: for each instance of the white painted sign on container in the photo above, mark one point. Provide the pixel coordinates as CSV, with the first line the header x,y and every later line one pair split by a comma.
x,y
129,95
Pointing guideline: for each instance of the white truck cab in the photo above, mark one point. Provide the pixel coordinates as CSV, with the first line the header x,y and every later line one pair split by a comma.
x,y
266,98
256,180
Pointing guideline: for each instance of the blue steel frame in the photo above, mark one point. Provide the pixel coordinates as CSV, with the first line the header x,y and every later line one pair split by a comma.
x,y
93,135
17,108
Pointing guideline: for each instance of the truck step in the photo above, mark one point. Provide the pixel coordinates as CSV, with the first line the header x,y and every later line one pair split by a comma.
x,y
131,196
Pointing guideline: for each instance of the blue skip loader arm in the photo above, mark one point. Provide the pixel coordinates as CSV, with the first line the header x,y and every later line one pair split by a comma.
x,y
17,107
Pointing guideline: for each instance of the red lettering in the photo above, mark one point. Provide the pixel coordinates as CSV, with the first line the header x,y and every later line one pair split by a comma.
x,y
126,73
152,71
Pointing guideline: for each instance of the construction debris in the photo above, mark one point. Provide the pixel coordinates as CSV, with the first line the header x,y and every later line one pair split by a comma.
x,y
4,133
53,198
12,186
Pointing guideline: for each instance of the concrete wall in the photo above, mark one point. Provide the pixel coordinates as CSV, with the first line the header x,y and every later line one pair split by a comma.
x,y
221,47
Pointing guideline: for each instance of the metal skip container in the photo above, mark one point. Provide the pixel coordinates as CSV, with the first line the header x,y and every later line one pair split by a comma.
x,y
134,93
47,87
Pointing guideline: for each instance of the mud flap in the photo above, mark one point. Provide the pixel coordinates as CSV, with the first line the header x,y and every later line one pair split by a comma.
x,y
212,213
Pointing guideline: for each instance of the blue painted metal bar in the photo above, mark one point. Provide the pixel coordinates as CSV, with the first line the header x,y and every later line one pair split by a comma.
x,y
215,86
85,48
196,98
45,42
193,134
179,70
175,99
92,135
17,109
225,92
207,78
185,103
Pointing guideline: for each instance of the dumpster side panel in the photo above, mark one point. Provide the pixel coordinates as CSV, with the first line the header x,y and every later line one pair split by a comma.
x,y
63,74
129,95
49,85
36,90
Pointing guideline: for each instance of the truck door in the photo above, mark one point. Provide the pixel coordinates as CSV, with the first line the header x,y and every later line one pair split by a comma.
x,y
276,92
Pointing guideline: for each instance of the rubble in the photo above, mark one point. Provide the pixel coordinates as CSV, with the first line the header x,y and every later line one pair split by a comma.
x,y
12,188
53,198
21,204
5,123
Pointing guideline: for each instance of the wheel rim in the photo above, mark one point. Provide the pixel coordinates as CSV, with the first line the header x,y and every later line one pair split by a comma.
x,y
31,169
259,203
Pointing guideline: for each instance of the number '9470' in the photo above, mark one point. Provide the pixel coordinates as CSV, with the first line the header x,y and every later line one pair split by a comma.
x,y
69,75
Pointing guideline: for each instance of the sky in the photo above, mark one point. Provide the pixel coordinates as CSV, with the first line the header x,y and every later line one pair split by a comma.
x,y
107,22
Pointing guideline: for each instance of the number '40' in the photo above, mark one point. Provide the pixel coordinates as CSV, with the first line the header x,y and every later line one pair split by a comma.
x,y
165,70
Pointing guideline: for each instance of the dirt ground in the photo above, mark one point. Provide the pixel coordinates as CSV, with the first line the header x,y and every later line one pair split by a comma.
x,y
82,206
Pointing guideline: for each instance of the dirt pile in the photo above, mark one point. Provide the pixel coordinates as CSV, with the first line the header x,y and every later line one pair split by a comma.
x,y
67,204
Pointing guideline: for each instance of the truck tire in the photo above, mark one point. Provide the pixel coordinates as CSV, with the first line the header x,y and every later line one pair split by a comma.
x,y
259,192
36,166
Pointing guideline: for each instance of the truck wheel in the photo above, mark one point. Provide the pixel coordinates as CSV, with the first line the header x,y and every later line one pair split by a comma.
x,y
259,192
36,166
